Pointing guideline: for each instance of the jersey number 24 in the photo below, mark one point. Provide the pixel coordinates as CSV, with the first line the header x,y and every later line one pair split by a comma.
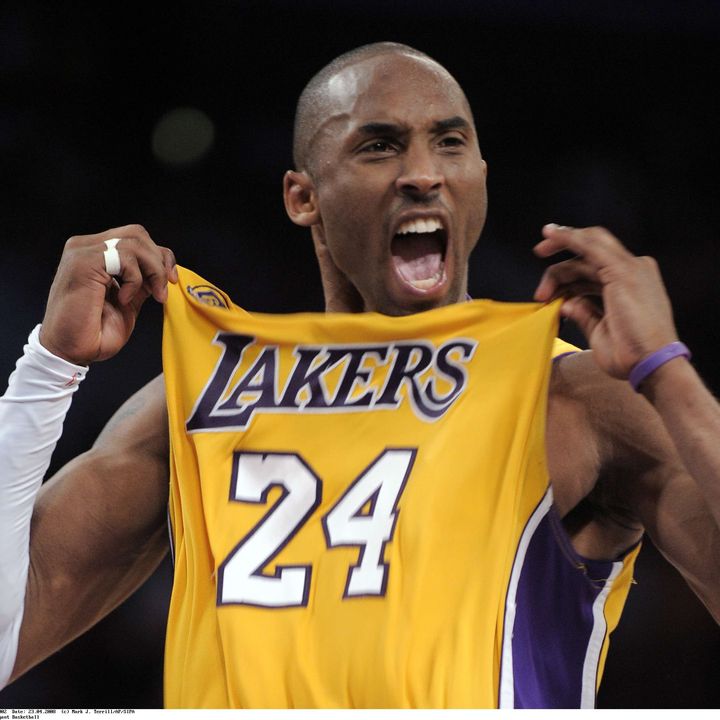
x,y
363,517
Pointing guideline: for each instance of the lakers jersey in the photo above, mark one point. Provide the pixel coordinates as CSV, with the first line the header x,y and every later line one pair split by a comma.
x,y
361,513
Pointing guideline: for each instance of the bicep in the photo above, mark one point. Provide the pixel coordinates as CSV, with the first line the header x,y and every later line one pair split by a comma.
x,y
98,529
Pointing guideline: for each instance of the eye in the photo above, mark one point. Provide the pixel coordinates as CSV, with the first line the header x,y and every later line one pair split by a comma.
x,y
452,141
379,147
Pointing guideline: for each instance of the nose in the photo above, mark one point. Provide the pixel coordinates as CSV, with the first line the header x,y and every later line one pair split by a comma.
x,y
419,174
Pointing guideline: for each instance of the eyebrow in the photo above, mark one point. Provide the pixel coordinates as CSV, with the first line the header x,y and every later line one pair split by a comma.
x,y
381,128
384,128
453,123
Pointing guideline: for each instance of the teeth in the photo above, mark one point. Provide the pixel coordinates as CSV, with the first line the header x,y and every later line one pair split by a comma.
x,y
427,283
420,225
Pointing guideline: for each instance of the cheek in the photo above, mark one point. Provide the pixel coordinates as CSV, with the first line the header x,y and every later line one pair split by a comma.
x,y
477,207
350,220
344,231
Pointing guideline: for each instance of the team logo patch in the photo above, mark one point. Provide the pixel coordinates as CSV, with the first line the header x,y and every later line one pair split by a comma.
x,y
209,295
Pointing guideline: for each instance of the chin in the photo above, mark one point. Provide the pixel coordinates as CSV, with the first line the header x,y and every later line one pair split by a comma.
x,y
416,304
413,300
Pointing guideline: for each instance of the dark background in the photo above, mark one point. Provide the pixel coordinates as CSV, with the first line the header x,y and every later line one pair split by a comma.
x,y
588,113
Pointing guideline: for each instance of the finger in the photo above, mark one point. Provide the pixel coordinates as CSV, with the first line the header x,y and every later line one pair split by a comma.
x,y
126,231
134,287
154,272
131,277
135,231
170,263
135,302
157,265
581,288
577,270
595,244
583,312
150,260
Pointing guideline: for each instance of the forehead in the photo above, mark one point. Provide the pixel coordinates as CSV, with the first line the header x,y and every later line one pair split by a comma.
x,y
407,90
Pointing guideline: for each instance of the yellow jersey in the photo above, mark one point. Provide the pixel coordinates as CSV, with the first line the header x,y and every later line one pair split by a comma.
x,y
360,507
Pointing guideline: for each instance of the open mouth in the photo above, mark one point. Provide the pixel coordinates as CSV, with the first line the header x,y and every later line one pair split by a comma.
x,y
418,252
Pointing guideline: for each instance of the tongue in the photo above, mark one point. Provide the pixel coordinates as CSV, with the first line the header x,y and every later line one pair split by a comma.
x,y
417,256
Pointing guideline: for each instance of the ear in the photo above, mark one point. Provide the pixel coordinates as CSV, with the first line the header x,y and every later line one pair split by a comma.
x,y
300,198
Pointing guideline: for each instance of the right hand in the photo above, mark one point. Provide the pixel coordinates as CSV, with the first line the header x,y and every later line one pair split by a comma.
x,y
90,314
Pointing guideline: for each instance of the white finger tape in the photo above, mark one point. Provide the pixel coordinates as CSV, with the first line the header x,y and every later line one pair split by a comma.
x,y
112,257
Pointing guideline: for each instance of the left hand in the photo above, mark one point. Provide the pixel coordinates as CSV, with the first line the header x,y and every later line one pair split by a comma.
x,y
635,317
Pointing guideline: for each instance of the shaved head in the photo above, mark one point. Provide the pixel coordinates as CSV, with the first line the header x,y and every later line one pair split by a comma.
x,y
384,138
315,100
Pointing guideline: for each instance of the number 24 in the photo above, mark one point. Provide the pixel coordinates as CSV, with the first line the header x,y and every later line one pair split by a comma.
x,y
241,576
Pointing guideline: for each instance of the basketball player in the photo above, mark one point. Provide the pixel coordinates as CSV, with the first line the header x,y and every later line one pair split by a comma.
x,y
390,180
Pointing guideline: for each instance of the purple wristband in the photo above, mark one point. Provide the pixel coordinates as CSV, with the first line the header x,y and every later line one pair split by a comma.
x,y
653,361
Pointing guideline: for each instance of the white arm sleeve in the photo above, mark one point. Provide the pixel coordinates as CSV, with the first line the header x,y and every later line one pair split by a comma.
x,y
32,412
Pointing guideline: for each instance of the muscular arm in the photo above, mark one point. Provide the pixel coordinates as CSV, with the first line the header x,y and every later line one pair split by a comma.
x,y
98,529
659,456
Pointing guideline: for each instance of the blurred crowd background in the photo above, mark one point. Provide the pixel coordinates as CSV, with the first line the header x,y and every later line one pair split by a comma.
x,y
179,116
